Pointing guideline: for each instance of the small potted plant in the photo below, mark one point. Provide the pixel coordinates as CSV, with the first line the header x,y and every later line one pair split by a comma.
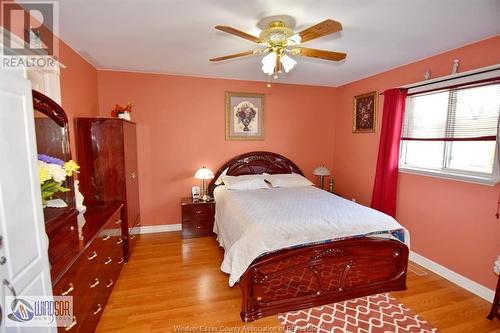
x,y
122,112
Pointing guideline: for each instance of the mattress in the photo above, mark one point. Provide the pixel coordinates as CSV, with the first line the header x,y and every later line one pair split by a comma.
x,y
252,223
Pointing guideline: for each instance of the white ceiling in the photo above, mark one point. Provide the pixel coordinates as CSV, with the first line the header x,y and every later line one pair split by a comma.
x,y
177,36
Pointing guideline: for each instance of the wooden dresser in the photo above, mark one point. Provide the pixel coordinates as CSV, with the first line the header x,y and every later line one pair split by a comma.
x,y
86,258
107,154
197,218
86,252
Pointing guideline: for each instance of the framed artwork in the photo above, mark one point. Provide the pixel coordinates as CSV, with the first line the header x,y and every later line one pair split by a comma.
x,y
245,116
364,116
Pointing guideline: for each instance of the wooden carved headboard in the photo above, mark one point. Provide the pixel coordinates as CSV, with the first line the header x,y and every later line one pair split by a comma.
x,y
253,163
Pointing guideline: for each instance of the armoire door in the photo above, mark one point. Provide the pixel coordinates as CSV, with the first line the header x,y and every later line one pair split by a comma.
x,y
24,264
131,174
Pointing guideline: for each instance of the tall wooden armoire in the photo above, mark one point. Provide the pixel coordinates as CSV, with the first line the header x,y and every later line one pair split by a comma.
x,y
107,154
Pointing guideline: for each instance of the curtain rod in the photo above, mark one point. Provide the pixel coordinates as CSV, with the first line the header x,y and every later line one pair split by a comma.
x,y
449,78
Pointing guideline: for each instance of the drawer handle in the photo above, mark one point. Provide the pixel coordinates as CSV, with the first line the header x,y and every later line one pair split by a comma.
x,y
68,290
121,261
132,236
92,255
108,260
97,310
198,211
198,227
105,238
119,241
70,326
133,175
95,283
110,283
118,221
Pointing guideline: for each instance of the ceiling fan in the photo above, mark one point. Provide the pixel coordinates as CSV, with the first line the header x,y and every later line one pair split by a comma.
x,y
278,39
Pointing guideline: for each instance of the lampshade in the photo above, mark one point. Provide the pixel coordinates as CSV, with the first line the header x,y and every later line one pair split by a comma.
x,y
287,62
204,173
268,63
321,171
293,40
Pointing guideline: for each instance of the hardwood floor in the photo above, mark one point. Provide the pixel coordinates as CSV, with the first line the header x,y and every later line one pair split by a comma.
x,y
172,284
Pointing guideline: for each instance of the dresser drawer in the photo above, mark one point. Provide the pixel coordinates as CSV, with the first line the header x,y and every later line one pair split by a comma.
x,y
204,211
197,227
63,247
81,282
90,279
134,234
95,309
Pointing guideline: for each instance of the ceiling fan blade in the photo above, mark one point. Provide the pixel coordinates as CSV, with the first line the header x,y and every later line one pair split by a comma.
x,y
319,30
238,33
321,54
236,55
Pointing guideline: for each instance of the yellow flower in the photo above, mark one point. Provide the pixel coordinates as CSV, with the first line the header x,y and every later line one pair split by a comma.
x,y
43,172
71,167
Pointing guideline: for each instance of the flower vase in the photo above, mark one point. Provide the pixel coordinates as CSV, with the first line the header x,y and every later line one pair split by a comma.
x,y
79,197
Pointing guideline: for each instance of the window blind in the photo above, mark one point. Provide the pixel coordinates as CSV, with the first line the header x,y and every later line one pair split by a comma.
x,y
465,113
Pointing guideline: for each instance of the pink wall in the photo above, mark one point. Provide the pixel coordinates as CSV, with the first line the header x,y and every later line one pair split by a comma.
x,y
78,88
181,128
451,222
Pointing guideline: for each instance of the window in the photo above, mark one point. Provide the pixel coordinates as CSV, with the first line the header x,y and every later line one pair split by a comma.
x,y
452,133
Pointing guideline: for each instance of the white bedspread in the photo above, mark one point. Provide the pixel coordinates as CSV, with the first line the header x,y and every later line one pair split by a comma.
x,y
253,222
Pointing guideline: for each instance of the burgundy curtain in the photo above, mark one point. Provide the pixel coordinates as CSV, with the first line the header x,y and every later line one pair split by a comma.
x,y
386,177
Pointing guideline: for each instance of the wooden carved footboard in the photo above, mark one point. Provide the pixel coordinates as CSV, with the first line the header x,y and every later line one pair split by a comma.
x,y
320,274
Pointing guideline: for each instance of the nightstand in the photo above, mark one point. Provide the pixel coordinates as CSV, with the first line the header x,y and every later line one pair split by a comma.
x,y
197,218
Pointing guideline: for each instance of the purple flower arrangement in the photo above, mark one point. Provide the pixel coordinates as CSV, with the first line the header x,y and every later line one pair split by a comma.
x,y
52,173
50,159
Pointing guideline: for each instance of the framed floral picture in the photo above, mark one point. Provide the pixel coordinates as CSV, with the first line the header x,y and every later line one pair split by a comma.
x,y
364,117
245,116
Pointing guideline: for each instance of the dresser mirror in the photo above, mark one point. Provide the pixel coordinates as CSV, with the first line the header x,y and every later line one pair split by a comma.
x,y
52,139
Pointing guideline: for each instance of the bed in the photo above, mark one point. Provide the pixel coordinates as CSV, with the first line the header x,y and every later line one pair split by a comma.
x,y
268,249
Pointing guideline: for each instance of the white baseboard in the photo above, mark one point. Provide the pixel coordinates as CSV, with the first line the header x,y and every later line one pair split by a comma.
x,y
149,229
454,277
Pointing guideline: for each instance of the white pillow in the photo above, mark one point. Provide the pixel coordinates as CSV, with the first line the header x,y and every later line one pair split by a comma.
x,y
245,182
288,180
218,181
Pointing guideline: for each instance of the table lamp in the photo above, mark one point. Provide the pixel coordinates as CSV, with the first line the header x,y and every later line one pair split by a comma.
x,y
204,173
321,171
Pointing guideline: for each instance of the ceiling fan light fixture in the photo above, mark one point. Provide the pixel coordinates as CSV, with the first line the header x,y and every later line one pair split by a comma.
x,y
269,62
287,62
278,38
294,39
277,33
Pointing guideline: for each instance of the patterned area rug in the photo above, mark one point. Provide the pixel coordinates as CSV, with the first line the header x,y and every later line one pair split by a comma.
x,y
379,313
